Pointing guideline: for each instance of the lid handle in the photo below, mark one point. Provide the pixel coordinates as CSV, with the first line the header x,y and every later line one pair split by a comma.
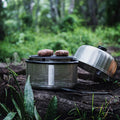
x,y
102,48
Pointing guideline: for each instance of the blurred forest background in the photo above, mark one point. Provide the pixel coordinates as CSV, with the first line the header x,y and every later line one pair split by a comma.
x,y
27,26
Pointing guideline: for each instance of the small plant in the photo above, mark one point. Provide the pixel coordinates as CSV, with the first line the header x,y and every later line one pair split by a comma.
x,y
93,115
77,114
24,108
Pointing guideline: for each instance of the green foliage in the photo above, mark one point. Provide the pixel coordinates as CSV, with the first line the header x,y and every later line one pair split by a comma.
x,y
109,35
24,105
112,12
24,108
93,104
57,45
45,19
2,15
118,117
28,43
10,116
26,19
67,24
21,37
52,109
4,107
76,113
11,26
17,109
29,99
37,116
91,115
68,33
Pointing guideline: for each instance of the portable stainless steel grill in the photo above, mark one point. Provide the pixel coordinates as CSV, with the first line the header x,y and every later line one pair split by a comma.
x,y
52,72
61,71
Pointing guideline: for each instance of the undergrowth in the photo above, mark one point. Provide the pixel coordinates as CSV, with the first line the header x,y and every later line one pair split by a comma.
x,y
29,42
25,109
23,104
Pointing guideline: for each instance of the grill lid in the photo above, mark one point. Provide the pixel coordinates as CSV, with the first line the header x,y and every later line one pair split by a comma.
x,y
96,60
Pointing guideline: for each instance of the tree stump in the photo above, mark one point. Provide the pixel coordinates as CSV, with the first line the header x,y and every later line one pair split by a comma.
x,y
104,93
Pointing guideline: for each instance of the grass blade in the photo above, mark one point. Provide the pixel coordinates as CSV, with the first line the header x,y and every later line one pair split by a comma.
x,y
52,109
92,103
78,112
12,72
20,101
10,116
57,117
29,99
72,112
11,87
101,108
16,82
4,108
17,108
37,116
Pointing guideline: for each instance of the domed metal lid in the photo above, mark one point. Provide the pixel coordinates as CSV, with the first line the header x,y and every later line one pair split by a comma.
x,y
96,60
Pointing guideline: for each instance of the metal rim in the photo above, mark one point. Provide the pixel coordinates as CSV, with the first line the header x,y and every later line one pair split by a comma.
x,y
52,62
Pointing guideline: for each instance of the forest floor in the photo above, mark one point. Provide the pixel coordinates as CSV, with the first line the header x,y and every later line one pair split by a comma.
x,y
109,91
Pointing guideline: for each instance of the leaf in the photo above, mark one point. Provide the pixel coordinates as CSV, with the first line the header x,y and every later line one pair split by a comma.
x,y
17,108
92,103
16,82
19,100
4,108
6,92
12,72
57,117
10,116
29,99
78,112
101,108
37,116
52,109
73,112
11,87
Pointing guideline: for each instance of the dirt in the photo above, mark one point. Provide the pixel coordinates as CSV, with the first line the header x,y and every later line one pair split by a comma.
x,y
112,49
108,91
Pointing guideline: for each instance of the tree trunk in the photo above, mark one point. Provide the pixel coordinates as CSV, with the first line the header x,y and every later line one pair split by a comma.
x,y
31,7
62,8
17,4
71,8
92,11
57,4
77,5
36,13
54,10
28,6
2,33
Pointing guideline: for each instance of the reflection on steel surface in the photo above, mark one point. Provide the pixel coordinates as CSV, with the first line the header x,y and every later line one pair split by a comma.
x,y
93,59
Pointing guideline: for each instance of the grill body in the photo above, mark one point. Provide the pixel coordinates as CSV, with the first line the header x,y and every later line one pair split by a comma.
x,y
52,72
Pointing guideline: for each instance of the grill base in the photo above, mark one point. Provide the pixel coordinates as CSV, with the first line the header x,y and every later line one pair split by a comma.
x,y
52,76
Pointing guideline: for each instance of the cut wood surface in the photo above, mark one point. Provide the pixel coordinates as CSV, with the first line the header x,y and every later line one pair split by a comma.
x,y
104,92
